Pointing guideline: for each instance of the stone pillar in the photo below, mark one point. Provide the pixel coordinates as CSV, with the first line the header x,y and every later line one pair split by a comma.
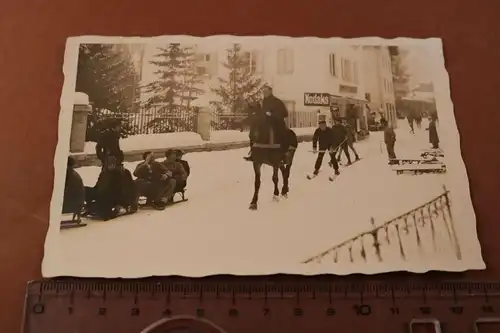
x,y
204,123
81,110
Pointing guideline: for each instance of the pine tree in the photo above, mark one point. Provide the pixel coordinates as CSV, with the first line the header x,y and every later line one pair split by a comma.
x,y
177,85
241,84
166,89
191,79
107,75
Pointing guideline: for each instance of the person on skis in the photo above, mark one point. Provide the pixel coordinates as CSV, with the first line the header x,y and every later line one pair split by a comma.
x,y
350,139
324,136
339,139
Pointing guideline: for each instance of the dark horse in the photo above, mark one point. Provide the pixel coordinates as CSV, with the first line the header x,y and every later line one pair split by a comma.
x,y
277,152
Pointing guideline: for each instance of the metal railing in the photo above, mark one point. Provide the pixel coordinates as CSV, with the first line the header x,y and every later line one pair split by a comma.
x,y
402,232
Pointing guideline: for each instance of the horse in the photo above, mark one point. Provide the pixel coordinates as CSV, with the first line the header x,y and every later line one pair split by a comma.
x,y
275,152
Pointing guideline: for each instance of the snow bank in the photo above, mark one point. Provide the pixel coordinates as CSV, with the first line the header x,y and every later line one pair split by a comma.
x,y
225,136
304,130
182,139
154,141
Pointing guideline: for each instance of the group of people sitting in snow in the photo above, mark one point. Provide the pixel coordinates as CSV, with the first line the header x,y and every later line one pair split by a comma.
x,y
116,188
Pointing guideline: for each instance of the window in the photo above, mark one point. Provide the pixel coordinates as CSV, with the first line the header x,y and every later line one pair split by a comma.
x,y
333,68
206,64
285,61
202,57
254,61
201,70
346,70
355,72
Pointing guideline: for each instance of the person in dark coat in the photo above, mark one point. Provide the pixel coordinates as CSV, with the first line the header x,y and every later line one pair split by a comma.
x,y
350,139
108,143
276,110
339,139
411,119
154,181
390,140
74,191
113,190
418,119
433,134
181,184
324,136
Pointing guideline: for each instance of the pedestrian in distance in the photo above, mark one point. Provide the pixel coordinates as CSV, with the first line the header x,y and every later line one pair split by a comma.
x,y
323,136
433,134
390,140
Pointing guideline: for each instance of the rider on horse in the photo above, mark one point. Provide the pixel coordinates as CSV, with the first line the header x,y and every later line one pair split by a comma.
x,y
275,112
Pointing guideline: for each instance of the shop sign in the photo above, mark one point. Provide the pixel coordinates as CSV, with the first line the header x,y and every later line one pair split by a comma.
x,y
316,99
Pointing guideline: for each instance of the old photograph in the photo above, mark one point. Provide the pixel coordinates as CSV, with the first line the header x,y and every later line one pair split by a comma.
x,y
193,156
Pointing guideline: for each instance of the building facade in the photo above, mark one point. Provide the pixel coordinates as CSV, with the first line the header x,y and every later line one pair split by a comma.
x,y
311,81
379,87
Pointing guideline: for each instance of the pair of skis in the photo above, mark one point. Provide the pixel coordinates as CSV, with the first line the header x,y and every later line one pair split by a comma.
x,y
333,176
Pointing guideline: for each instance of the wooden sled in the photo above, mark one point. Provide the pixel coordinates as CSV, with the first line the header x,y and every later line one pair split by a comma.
x,y
405,161
432,153
70,221
418,169
142,201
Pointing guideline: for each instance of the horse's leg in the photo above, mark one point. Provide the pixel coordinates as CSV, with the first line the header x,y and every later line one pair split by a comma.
x,y
275,182
285,172
256,168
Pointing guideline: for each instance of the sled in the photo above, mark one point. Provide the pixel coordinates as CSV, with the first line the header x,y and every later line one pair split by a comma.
x,y
142,201
418,169
404,161
70,221
432,153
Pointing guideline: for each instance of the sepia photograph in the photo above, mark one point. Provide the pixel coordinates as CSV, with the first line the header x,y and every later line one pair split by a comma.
x,y
196,156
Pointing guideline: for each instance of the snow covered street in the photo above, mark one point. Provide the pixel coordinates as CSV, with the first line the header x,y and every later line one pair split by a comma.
x,y
216,230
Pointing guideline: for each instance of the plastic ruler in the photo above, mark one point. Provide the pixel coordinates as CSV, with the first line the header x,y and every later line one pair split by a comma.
x,y
238,305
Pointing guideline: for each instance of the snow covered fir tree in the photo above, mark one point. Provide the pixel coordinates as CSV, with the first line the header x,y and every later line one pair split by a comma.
x,y
241,84
107,75
176,86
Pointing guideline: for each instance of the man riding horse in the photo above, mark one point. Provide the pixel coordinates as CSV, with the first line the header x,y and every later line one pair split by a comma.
x,y
275,112
272,143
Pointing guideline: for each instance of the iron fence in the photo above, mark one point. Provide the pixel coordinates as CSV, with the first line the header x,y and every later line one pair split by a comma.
x,y
151,120
236,121
229,121
302,119
430,224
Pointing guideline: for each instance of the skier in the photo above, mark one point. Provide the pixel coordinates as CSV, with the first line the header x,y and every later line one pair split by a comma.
x,y
390,140
418,119
324,136
410,117
339,141
351,138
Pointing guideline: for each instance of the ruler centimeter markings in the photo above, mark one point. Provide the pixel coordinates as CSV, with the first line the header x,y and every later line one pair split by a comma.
x,y
87,306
